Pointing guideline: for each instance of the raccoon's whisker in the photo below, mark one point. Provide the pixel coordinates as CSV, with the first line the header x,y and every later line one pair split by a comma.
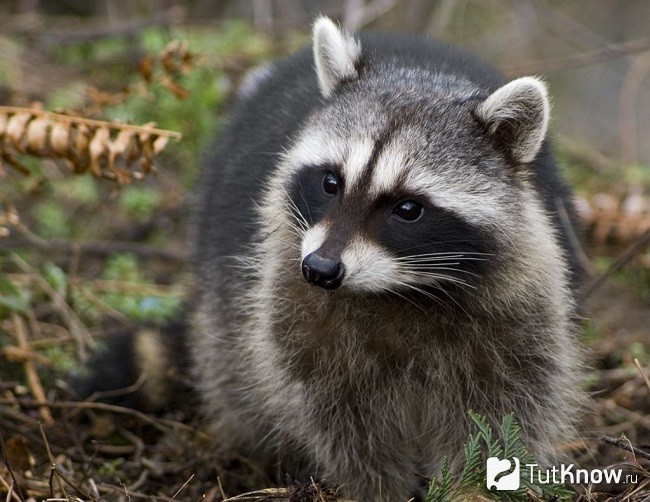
x,y
451,241
446,254
396,293
438,260
424,270
424,267
427,264
295,225
429,259
443,277
304,199
442,253
295,229
291,245
422,292
433,274
295,211
442,290
300,222
460,283
299,228
434,271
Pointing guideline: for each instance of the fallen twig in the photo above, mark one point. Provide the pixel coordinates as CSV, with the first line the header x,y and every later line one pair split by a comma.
x,y
53,468
643,373
33,380
16,487
76,327
183,486
625,445
161,424
93,247
627,256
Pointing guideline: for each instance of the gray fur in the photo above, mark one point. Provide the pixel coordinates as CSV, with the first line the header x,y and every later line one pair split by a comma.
x,y
522,107
357,386
254,80
336,55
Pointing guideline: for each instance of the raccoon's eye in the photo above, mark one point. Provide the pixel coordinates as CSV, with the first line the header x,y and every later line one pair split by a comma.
x,y
408,210
330,183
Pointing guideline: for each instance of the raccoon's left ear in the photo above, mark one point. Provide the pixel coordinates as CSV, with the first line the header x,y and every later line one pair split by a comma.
x,y
336,54
516,115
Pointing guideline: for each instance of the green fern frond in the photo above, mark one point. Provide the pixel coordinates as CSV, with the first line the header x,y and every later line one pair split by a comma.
x,y
494,448
510,433
504,443
440,491
473,461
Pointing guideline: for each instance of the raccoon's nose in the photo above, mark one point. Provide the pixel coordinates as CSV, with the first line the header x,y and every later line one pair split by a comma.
x,y
323,272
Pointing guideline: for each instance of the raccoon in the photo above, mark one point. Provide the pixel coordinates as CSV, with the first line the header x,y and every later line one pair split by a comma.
x,y
378,251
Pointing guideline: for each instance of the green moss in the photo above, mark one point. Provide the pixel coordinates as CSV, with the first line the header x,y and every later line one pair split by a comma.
x,y
135,305
62,360
592,332
70,97
140,203
122,267
12,298
52,220
77,190
639,351
56,277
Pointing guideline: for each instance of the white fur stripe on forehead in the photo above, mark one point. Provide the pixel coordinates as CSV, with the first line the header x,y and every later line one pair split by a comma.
x,y
336,55
516,115
470,197
465,194
321,149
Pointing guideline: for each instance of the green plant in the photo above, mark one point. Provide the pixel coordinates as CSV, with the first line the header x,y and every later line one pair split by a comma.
x,y
134,295
12,298
140,203
473,478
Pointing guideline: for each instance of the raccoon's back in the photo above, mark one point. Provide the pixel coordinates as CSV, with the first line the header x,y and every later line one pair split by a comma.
x,y
259,127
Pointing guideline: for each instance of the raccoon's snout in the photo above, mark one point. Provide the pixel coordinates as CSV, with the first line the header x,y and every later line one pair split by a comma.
x,y
323,272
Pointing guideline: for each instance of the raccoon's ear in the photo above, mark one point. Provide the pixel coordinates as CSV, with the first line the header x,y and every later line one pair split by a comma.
x,y
516,115
336,55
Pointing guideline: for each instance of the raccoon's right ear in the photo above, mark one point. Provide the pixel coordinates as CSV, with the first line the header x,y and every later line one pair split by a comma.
x,y
336,54
516,115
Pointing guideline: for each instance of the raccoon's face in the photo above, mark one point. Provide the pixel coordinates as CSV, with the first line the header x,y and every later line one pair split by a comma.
x,y
402,185
382,206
